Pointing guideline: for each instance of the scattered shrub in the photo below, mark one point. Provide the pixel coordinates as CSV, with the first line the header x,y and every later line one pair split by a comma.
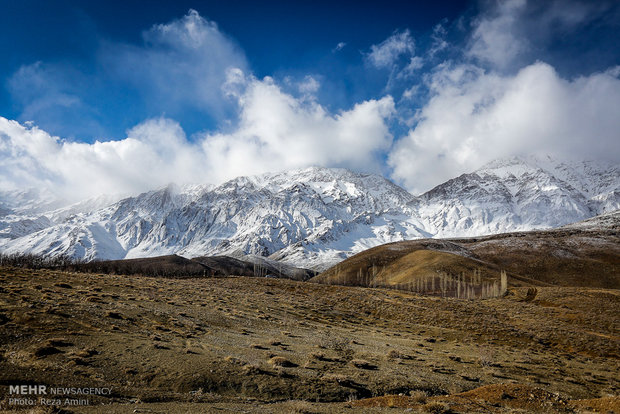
x,y
418,396
363,364
394,354
436,407
278,361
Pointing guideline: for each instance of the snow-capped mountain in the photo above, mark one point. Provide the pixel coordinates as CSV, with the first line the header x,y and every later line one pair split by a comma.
x,y
312,217
520,194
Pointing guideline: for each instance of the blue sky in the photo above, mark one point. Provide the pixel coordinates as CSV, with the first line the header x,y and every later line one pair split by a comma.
x,y
71,42
202,91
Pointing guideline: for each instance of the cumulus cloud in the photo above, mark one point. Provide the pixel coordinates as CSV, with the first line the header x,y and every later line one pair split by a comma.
x,y
276,131
154,153
387,53
474,116
396,54
459,114
187,63
499,99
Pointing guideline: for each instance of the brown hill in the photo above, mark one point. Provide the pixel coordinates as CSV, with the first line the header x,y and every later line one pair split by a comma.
x,y
434,267
561,257
576,256
225,266
259,267
174,266
163,266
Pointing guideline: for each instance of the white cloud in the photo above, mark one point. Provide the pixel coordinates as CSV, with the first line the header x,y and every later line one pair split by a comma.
x,y
235,83
309,85
511,33
182,65
475,116
190,63
411,92
191,31
155,152
494,39
276,131
339,47
414,64
387,53
438,37
472,114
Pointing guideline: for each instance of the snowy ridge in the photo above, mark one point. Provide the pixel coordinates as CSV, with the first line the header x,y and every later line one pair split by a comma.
x,y
521,194
310,217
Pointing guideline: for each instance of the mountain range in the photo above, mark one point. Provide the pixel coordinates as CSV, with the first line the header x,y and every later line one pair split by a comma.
x,y
311,217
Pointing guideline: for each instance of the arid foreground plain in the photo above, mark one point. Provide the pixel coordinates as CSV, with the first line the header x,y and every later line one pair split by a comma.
x,y
245,344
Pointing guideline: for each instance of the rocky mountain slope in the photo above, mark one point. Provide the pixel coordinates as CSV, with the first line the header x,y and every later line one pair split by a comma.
x,y
521,194
312,217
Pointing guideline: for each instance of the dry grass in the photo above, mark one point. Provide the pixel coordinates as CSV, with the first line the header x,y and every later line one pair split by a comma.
x,y
237,347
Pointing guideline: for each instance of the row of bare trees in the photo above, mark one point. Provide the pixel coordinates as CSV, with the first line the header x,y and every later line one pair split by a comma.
x,y
33,261
462,286
119,267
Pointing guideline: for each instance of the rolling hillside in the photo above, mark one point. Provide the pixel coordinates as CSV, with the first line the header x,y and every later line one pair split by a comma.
x,y
585,254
